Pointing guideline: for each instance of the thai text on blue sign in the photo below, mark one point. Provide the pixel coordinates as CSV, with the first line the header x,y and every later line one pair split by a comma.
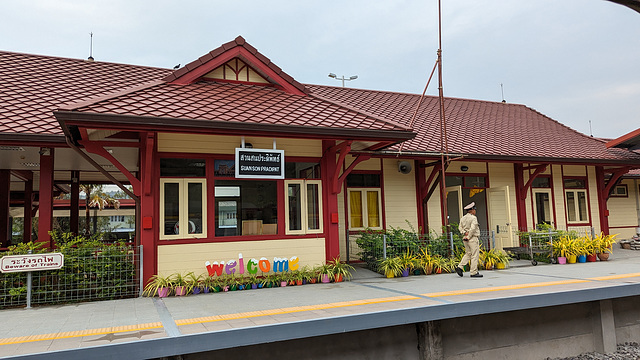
x,y
259,163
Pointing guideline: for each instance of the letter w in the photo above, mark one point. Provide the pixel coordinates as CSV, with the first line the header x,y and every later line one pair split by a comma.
x,y
215,269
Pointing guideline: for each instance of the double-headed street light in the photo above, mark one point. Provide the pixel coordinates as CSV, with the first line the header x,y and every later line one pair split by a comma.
x,y
332,75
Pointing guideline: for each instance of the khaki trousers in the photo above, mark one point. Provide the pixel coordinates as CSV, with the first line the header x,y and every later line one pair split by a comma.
x,y
471,255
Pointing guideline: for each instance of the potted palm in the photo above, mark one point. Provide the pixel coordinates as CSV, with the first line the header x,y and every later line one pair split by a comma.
x,y
605,245
390,267
425,261
503,259
341,271
160,285
408,262
180,284
195,283
325,273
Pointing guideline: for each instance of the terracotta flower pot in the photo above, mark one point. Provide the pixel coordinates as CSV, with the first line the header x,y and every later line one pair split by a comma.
x,y
603,256
338,278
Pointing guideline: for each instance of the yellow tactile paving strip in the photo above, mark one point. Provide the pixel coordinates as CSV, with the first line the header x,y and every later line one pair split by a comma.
x,y
80,333
295,309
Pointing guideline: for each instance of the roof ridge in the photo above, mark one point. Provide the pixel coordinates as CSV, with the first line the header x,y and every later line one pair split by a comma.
x,y
360,111
80,60
238,42
111,95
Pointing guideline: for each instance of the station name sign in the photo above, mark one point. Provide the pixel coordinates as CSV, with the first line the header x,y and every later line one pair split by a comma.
x,y
259,163
31,262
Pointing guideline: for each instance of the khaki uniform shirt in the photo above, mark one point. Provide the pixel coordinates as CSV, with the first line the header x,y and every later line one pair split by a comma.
x,y
469,223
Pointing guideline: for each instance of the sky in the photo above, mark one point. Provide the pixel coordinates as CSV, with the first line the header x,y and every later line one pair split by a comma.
x,y
575,61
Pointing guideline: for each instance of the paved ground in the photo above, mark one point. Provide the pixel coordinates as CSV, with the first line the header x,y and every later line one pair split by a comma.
x,y
63,327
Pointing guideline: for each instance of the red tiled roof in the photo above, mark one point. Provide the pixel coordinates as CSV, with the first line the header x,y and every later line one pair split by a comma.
x,y
477,128
212,101
33,86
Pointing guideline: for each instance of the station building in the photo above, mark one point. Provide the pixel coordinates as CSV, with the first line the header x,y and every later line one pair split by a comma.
x,y
230,157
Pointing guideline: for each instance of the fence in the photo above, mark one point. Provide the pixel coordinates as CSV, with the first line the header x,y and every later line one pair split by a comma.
x,y
370,247
88,274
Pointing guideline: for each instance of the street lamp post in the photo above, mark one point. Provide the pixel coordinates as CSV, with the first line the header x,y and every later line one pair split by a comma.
x,y
332,75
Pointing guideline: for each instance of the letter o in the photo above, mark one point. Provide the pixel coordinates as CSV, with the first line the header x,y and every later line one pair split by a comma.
x,y
264,265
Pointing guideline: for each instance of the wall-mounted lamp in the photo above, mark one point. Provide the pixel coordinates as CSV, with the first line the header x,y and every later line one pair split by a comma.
x,y
464,168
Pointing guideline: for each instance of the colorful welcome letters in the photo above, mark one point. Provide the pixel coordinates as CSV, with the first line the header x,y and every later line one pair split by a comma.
x,y
252,266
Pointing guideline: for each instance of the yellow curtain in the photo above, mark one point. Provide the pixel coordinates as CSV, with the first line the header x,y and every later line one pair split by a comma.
x,y
372,209
355,201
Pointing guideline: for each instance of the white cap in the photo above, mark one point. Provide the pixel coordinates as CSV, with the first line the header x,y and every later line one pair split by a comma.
x,y
470,206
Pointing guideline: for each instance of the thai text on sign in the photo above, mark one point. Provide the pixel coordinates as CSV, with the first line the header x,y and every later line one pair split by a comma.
x,y
31,262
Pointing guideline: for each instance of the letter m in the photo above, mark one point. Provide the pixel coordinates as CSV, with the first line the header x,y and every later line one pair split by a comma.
x,y
280,265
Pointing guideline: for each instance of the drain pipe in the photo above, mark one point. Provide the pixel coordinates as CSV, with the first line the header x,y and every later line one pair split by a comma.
x,y
103,171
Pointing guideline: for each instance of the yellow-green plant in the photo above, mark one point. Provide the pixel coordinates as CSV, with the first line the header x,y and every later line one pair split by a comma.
x,y
408,260
425,261
390,267
489,258
604,243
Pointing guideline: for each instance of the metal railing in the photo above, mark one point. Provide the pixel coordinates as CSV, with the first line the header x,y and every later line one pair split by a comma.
x,y
87,275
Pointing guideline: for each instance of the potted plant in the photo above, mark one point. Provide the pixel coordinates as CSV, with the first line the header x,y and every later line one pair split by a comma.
x,y
195,282
604,246
425,261
341,271
503,259
157,284
180,284
408,262
209,284
390,267
325,273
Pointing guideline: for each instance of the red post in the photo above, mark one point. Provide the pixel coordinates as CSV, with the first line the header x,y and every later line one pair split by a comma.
x,y
45,198
5,190
602,200
147,223
28,210
330,200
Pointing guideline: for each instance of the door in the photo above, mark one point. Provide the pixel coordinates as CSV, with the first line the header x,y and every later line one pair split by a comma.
x,y
454,204
500,216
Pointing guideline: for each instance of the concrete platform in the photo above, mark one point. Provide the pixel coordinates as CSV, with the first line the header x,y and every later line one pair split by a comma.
x,y
144,328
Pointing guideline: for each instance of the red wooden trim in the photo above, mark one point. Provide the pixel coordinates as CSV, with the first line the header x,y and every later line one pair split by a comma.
x,y
623,138
344,149
538,171
149,147
98,149
617,174
420,179
382,202
248,58
354,163
238,238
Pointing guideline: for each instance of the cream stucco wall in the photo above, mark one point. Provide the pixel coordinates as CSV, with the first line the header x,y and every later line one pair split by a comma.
x,y
185,258
624,211
400,196
214,144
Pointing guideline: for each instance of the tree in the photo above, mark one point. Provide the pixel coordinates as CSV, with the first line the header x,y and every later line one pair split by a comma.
x,y
95,197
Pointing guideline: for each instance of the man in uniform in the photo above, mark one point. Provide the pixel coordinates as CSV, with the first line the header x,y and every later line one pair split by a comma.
x,y
470,231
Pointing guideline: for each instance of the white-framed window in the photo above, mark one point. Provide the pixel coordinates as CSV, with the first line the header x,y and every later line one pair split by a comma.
x,y
183,208
303,207
365,208
575,195
620,191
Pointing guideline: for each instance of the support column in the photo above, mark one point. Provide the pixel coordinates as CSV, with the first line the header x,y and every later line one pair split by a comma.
x,y
521,206
45,198
149,223
602,200
28,210
330,201
604,327
5,192
74,216
430,341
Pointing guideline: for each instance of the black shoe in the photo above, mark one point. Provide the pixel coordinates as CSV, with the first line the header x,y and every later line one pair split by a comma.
x,y
476,275
459,271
